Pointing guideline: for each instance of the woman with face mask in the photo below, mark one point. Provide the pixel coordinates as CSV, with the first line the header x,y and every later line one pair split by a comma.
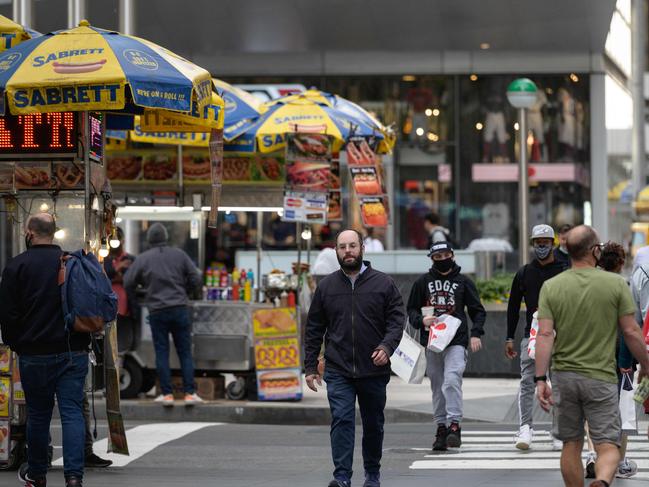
x,y
449,292
527,286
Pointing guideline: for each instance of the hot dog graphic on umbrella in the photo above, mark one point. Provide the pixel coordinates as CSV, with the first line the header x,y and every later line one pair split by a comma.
x,y
76,68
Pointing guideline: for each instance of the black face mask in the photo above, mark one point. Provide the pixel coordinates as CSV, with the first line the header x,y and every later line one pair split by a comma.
x,y
443,266
28,240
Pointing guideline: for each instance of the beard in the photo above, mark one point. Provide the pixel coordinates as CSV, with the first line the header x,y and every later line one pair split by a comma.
x,y
353,266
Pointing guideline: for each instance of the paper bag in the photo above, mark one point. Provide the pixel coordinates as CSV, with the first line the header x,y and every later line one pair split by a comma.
x,y
534,330
442,332
627,406
409,360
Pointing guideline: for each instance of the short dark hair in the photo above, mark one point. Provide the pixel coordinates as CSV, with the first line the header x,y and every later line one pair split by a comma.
x,y
359,234
565,228
42,227
432,218
613,256
580,241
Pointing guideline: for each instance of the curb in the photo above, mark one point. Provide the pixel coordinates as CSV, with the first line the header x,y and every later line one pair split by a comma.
x,y
250,413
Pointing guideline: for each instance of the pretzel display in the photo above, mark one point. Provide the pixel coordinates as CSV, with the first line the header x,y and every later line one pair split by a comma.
x,y
69,175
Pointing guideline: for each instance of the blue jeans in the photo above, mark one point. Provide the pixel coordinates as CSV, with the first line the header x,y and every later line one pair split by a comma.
x,y
175,321
43,377
342,393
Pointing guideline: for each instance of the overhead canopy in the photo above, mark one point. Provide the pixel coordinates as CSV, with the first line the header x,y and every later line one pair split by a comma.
x,y
338,36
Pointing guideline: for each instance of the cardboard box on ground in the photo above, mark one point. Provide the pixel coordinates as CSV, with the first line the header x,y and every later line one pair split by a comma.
x,y
208,388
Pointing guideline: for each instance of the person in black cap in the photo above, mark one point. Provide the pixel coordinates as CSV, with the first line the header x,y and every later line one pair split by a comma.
x,y
449,292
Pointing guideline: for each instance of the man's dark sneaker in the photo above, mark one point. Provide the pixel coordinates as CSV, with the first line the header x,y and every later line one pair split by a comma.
x,y
73,482
440,438
590,466
454,436
93,461
340,483
27,481
372,479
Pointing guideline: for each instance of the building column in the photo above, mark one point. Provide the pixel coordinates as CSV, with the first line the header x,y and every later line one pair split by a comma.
x,y
598,155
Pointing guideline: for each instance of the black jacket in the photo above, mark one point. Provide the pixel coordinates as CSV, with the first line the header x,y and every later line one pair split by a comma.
x,y
354,323
449,294
31,313
527,285
561,257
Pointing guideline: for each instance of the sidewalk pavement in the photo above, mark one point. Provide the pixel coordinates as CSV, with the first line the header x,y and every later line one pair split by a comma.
x,y
485,400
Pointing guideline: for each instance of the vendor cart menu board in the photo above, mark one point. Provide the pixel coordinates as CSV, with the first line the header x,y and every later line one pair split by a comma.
x,y
277,354
39,175
39,133
309,177
368,180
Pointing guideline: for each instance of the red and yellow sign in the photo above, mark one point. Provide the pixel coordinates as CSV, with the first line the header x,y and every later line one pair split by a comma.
x,y
274,322
277,353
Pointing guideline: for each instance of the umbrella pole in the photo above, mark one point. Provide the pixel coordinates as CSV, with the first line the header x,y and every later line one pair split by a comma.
x,y
87,187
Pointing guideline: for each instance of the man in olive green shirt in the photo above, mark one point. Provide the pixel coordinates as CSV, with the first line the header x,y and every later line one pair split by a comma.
x,y
584,306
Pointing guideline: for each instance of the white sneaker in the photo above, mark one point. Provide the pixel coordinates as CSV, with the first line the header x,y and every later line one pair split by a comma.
x,y
557,445
167,400
627,468
191,399
523,440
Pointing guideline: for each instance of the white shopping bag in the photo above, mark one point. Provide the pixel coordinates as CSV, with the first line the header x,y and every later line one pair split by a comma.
x,y
441,334
409,359
534,330
627,406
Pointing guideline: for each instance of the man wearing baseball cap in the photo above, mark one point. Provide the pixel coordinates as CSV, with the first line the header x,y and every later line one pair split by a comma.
x,y
527,286
449,292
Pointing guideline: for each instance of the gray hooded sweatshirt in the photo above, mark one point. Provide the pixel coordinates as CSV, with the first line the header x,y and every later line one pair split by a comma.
x,y
166,273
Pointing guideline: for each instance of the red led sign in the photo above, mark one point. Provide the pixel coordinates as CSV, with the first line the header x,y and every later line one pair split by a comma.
x,y
48,133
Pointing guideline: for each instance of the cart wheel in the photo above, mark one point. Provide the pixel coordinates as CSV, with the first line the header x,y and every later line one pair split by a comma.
x,y
17,456
148,380
131,379
236,390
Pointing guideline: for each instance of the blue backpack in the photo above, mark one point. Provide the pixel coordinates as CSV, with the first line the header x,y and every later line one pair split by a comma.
x,y
86,293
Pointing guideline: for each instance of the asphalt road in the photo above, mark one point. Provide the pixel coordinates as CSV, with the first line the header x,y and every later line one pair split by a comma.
x,y
236,455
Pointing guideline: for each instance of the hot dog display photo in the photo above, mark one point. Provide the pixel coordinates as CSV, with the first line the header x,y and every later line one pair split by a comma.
x,y
123,167
33,175
314,147
308,176
67,175
375,211
196,167
335,206
366,180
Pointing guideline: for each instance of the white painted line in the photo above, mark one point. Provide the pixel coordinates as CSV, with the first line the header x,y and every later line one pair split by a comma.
x,y
497,464
518,455
145,438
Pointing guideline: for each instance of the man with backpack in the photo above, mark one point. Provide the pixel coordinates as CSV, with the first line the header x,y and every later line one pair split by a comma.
x,y
167,274
52,360
527,286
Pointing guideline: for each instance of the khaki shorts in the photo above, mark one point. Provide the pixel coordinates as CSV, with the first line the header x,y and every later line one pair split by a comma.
x,y
578,398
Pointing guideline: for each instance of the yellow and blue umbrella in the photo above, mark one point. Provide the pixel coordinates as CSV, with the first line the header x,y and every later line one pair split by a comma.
x,y
239,105
299,114
86,68
12,34
348,108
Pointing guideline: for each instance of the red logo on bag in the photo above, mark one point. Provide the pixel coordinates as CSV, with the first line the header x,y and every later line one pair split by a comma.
x,y
532,332
441,326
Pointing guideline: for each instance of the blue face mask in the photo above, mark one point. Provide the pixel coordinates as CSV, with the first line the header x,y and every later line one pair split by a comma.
x,y
542,251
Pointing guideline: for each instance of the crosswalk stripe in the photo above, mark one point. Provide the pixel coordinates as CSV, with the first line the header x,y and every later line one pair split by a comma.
x,y
143,439
494,450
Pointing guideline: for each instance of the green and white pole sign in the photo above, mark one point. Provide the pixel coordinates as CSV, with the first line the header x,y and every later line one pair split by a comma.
x,y
522,94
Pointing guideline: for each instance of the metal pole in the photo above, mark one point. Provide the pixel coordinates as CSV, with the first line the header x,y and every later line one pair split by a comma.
x,y
87,187
23,12
181,178
127,17
522,188
638,43
260,227
76,12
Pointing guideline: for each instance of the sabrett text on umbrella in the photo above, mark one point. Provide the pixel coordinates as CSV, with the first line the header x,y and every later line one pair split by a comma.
x,y
40,60
65,95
